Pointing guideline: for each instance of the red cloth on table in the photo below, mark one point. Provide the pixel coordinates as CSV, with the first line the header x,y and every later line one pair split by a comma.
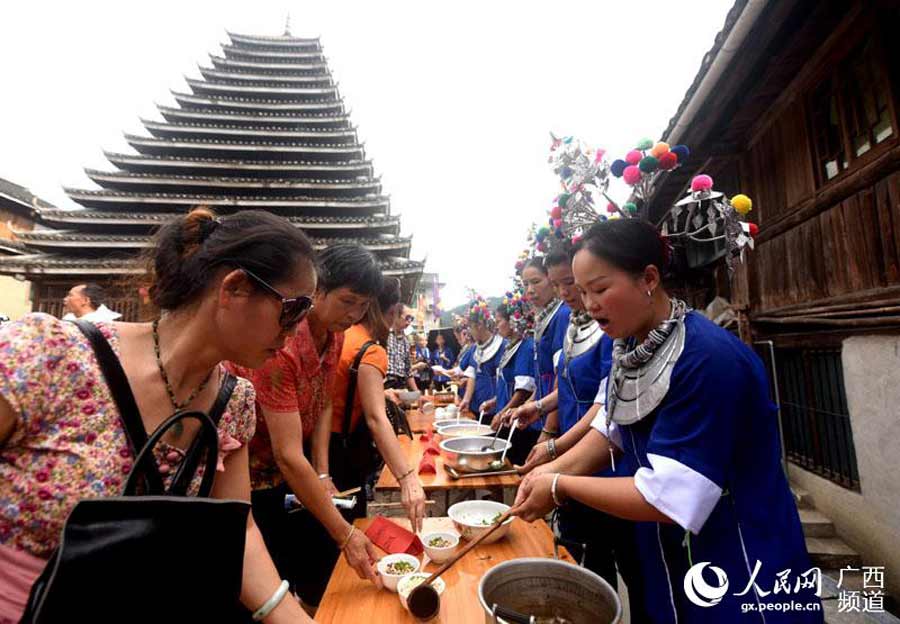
x,y
393,538
426,464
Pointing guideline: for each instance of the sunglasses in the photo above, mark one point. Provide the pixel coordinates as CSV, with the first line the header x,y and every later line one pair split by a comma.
x,y
293,310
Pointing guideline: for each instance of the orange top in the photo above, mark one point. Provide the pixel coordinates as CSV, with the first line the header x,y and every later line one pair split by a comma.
x,y
354,339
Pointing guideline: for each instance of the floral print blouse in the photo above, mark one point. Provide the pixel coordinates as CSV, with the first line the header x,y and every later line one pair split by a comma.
x,y
69,443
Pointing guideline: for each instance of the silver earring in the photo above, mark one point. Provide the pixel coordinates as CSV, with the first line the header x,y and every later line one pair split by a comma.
x,y
649,294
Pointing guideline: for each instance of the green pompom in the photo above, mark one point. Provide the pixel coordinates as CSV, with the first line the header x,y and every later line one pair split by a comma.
x,y
630,208
644,144
648,164
564,199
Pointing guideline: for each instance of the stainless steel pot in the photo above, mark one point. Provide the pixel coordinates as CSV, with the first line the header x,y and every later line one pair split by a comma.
x,y
545,588
465,454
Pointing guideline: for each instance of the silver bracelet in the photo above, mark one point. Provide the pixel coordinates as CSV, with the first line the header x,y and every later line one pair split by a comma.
x,y
270,604
540,407
553,490
551,448
324,476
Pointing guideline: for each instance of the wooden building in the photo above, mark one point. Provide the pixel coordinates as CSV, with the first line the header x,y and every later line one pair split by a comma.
x,y
797,106
17,209
263,128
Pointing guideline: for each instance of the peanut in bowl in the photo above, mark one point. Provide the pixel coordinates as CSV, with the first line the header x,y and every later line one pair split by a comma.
x,y
393,567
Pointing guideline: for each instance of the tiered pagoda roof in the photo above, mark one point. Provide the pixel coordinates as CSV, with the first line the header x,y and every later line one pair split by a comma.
x,y
264,127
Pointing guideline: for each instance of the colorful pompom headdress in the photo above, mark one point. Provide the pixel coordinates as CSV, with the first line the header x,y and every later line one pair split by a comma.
x,y
479,312
708,216
703,216
520,313
584,179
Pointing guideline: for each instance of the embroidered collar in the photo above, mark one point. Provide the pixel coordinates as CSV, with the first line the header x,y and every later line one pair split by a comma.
x,y
547,313
485,352
511,349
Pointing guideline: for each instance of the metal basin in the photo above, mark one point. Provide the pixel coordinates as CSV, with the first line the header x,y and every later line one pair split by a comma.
x,y
465,454
445,422
465,430
546,588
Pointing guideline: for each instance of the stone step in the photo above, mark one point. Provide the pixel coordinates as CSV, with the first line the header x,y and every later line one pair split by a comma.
x,y
801,497
815,524
831,552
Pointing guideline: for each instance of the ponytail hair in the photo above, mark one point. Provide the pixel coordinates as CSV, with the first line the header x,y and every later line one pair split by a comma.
x,y
189,250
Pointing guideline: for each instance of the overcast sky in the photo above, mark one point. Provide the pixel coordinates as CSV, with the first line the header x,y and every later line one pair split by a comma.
x,y
455,101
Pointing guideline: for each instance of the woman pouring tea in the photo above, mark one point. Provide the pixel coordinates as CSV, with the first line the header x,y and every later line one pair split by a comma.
x,y
687,417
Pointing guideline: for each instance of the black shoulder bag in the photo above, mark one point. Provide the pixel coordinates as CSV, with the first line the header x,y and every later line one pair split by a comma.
x,y
157,555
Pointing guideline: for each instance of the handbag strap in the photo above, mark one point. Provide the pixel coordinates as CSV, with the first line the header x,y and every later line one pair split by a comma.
x,y
120,389
145,462
351,387
185,473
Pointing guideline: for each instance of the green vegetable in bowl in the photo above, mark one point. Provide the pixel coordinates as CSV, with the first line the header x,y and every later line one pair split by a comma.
x,y
399,567
439,542
491,521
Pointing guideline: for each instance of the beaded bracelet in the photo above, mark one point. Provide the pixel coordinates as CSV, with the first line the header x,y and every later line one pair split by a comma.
x,y
552,434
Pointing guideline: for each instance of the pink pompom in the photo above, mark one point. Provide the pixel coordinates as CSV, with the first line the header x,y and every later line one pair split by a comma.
x,y
576,239
701,182
556,212
599,155
633,157
557,223
631,175
611,208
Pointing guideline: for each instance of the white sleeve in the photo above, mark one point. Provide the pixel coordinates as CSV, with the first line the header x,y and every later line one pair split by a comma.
x,y
681,493
556,358
613,434
524,382
601,392
470,372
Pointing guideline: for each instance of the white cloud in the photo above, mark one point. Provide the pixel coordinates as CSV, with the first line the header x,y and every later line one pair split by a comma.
x,y
454,100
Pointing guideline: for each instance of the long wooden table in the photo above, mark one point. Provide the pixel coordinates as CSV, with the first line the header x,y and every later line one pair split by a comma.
x,y
351,599
440,481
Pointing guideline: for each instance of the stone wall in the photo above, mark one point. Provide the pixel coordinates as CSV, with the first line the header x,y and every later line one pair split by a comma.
x,y
869,520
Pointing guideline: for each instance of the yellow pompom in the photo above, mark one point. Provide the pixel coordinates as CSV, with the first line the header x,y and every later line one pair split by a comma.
x,y
742,204
659,149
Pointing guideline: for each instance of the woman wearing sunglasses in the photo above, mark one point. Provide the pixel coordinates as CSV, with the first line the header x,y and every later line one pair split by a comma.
x,y
293,398
61,435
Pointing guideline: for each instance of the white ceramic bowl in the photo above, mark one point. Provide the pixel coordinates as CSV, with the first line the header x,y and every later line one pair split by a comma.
x,y
451,411
440,554
472,518
406,585
465,430
440,413
390,580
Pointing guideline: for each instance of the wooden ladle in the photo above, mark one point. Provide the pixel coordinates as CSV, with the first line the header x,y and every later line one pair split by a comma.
x,y
424,602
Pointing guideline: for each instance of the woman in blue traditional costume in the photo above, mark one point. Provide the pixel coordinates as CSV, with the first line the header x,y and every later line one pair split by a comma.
x,y
443,356
686,404
550,323
515,372
464,358
481,388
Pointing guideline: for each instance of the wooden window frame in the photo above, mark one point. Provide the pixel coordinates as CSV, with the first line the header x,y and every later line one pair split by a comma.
x,y
840,69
